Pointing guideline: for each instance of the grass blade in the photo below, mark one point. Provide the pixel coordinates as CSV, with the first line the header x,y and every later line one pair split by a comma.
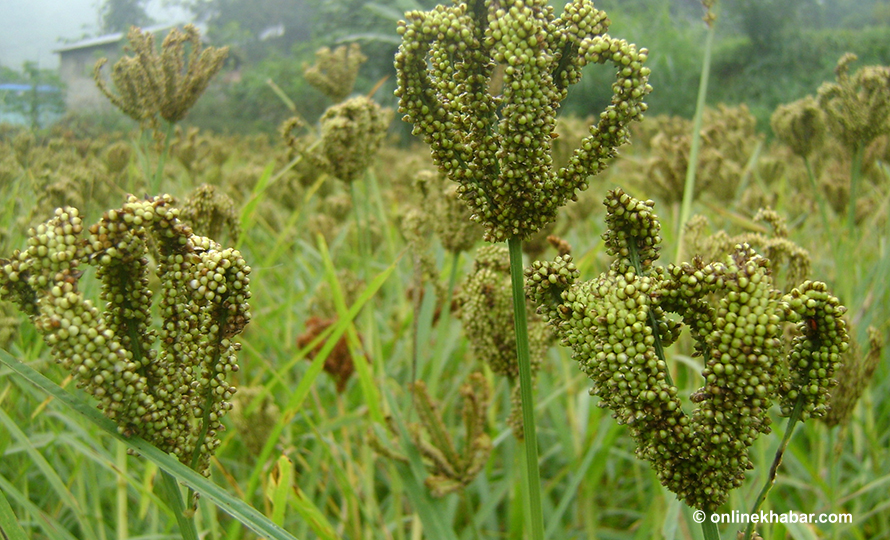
x,y
312,515
369,390
249,209
52,528
295,402
241,511
58,486
173,496
9,524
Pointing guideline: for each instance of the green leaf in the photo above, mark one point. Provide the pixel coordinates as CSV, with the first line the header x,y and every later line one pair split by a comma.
x,y
249,209
236,508
295,402
387,12
9,525
278,489
46,523
371,36
59,487
173,496
312,515
369,390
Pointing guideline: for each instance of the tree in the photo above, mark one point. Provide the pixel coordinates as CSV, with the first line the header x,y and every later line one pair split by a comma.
x,y
34,94
258,26
119,15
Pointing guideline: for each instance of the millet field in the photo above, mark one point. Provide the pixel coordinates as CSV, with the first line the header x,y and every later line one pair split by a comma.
x,y
454,304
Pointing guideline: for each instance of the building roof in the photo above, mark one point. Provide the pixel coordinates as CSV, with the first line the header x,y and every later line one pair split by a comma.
x,y
15,87
107,39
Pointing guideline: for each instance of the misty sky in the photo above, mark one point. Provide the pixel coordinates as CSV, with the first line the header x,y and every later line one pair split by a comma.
x,y
31,29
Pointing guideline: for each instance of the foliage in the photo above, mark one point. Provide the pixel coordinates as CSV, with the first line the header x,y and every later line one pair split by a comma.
x,y
765,21
120,15
43,100
258,27
802,59
248,104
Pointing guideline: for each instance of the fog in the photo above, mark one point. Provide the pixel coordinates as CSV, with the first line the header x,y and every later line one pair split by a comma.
x,y
31,29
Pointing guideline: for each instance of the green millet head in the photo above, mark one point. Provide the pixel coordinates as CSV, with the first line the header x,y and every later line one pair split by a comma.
x,y
452,465
617,328
186,147
710,17
334,72
255,427
816,354
151,85
495,138
208,211
633,232
441,209
351,134
784,255
545,283
857,107
165,394
487,311
800,125
853,378
451,218
117,157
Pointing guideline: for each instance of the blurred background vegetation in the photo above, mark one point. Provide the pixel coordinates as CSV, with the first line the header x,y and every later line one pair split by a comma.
x,y
768,52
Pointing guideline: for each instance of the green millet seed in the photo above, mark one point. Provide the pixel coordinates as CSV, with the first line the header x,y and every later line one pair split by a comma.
x,y
616,326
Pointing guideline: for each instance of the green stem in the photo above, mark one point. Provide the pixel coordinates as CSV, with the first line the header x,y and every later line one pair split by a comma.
x,y
157,180
833,469
449,293
288,102
689,186
774,468
532,479
359,231
855,175
709,528
173,496
142,147
122,526
653,322
820,200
